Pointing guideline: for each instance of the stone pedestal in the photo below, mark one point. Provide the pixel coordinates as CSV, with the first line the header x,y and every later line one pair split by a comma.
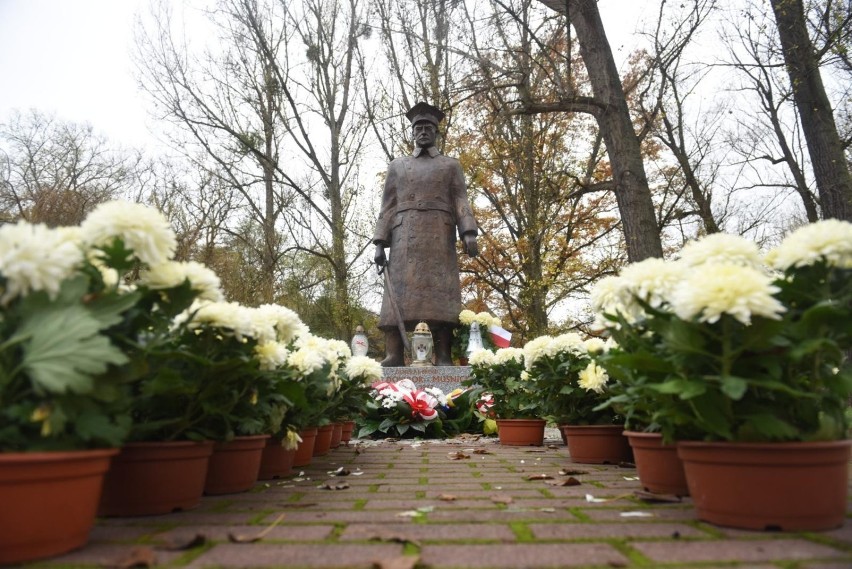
x,y
445,378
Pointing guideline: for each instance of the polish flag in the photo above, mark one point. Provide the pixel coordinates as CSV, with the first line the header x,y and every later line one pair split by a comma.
x,y
501,337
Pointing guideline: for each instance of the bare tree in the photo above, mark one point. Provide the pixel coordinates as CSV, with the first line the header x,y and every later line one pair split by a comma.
x,y
609,107
55,172
272,110
826,150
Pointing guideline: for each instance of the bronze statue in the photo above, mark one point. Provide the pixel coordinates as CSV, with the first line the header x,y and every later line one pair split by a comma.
x,y
424,203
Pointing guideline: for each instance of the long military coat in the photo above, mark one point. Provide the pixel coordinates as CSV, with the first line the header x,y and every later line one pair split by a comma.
x,y
424,207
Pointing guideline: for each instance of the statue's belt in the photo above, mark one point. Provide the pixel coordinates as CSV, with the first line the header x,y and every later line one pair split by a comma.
x,y
423,205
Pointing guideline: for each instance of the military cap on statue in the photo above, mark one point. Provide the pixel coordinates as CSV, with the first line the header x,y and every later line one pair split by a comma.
x,y
424,112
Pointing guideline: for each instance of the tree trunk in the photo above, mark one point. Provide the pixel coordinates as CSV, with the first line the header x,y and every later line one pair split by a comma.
x,y
631,184
833,179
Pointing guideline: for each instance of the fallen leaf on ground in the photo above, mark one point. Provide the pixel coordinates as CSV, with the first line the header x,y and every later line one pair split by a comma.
x,y
358,473
626,465
458,455
539,477
651,497
630,478
334,486
340,472
636,515
502,499
403,562
233,538
183,544
570,481
482,451
571,472
394,537
553,447
590,498
534,450
138,557
447,497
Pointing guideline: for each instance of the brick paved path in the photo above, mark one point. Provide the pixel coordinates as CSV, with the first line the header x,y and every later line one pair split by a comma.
x,y
410,503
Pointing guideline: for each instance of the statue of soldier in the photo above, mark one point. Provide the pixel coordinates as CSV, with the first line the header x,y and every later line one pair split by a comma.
x,y
424,203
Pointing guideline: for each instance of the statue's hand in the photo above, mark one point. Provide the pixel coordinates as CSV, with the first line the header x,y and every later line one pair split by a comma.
x,y
470,246
379,257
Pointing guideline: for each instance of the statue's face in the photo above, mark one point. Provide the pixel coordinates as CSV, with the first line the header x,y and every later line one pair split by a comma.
x,y
424,134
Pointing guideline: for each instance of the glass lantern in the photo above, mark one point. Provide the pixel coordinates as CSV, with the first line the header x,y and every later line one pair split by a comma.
x,y
421,346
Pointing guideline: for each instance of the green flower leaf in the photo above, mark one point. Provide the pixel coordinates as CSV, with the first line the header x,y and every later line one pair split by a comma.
x,y
734,387
65,349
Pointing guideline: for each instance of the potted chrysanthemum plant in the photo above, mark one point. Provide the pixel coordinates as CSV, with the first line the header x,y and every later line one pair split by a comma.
x,y
69,329
571,385
753,357
499,382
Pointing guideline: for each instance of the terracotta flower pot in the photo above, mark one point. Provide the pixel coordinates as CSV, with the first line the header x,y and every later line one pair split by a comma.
x,y
276,461
597,444
348,428
48,501
323,441
659,468
155,478
521,432
336,434
787,486
305,450
234,465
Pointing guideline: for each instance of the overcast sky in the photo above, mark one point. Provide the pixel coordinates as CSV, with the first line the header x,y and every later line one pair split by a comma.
x,y
71,58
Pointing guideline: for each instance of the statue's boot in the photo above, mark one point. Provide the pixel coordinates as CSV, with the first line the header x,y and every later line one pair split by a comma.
x,y
442,337
394,350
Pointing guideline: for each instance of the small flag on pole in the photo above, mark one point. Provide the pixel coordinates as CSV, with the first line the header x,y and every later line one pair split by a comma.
x,y
501,337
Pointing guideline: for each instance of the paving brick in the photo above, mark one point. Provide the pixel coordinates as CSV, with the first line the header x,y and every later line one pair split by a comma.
x,y
360,516
110,555
609,514
274,555
565,531
221,533
427,532
108,533
521,556
729,550
498,515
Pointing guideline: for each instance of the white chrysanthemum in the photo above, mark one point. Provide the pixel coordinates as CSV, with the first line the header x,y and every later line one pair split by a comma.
x,y
506,355
593,378
570,343
173,273
227,316
714,290
306,361
830,239
34,257
271,355
466,317
610,344
611,295
595,345
368,369
481,358
653,280
143,229
291,440
535,349
109,275
287,324
484,319
721,248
